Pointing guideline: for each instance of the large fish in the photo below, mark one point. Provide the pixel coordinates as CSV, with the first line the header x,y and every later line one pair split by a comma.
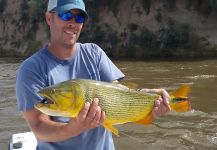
x,y
120,103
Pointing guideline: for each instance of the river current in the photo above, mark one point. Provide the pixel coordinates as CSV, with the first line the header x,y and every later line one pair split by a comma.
x,y
193,130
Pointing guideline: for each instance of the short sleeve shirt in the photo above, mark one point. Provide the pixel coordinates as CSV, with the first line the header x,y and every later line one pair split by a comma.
x,y
44,69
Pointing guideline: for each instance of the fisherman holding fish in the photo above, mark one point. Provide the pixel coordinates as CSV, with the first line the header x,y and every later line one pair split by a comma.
x,y
65,59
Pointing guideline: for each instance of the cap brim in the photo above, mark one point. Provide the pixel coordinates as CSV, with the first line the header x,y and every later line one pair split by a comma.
x,y
69,7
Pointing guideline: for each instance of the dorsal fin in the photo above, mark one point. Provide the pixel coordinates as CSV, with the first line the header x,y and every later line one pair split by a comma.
x,y
130,85
182,92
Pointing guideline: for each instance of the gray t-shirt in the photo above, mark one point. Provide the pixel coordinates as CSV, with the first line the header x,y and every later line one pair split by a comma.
x,y
44,69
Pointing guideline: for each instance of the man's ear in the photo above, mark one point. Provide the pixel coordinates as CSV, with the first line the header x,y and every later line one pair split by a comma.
x,y
48,17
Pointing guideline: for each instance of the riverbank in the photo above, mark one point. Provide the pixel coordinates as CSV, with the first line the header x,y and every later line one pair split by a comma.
x,y
124,29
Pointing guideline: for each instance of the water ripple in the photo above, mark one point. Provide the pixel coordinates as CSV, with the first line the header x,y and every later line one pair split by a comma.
x,y
203,76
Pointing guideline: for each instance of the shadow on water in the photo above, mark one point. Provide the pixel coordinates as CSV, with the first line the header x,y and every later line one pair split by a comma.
x,y
196,129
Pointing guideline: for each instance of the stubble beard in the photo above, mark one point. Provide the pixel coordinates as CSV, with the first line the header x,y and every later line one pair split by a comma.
x,y
71,45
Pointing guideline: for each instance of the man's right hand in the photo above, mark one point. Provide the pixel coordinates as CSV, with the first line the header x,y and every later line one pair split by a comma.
x,y
47,130
91,116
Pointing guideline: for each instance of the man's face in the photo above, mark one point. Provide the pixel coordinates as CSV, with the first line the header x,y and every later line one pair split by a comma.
x,y
64,33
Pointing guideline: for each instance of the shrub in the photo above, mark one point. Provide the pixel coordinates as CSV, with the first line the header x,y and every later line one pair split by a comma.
x,y
3,4
146,4
174,36
133,27
158,16
170,5
147,38
113,5
33,46
37,8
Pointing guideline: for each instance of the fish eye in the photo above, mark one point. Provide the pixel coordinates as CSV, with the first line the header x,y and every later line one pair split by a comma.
x,y
47,101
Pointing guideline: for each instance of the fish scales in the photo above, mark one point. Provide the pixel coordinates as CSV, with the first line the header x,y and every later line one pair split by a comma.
x,y
118,103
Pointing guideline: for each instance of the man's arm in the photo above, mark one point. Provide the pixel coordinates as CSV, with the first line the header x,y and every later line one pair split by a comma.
x,y
47,130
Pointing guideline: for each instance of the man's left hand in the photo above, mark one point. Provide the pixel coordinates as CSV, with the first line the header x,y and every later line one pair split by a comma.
x,y
161,105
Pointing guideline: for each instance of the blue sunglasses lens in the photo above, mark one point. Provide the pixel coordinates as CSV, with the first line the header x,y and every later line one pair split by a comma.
x,y
79,18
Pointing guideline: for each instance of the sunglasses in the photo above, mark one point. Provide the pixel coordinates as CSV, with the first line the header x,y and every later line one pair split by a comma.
x,y
67,16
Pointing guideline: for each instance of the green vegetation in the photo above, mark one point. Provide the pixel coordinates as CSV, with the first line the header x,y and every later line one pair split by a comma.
x,y
168,38
103,35
205,7
24,17
170,5
37,8
33,46
158,16
33,12
173,36
146,4
93,10
3,4
214,4
133,27
147,38
113,5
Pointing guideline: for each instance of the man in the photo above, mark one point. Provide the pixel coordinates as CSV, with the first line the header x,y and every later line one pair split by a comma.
x,y
64,59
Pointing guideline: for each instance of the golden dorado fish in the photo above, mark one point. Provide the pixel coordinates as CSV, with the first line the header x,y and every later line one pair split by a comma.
x,y
120,103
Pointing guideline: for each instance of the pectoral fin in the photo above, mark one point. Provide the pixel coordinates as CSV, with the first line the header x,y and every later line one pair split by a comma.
x,y
109,127
145,121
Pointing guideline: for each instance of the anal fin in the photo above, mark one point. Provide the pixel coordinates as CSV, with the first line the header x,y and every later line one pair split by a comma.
x,y
145,121
109,127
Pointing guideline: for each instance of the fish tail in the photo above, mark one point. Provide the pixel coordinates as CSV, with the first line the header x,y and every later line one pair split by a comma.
x,y
179,99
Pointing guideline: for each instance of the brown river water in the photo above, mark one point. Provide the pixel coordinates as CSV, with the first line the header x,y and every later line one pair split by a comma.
x,y
193,130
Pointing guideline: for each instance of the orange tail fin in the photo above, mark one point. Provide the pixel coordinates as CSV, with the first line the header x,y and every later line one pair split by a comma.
x,y
179,99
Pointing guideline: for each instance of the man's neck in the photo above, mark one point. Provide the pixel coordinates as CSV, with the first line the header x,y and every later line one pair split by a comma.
x,y
61,52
